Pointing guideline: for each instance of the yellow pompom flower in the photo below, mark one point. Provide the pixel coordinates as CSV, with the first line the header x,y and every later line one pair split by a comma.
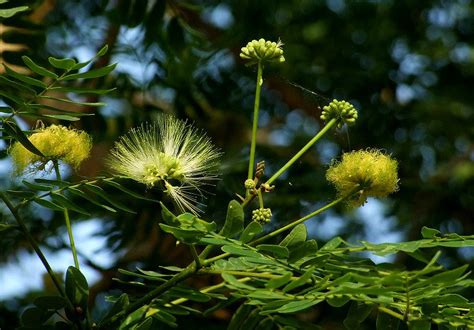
x,y
374,172
55,142
169,153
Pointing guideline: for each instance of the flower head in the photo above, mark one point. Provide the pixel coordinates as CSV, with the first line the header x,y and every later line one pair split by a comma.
x,y
169,153
341,110
262,51
371,170
56,143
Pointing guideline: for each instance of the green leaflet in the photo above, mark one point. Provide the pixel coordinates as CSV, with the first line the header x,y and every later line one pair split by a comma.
x,y
37,68
48,204
277,282
250,231
240,251
100,192
13,130
234,221
296,237
296,306
6,13
62,63
77,289
91,199
302,280
188,236
61,200
276,251
23,78
97,73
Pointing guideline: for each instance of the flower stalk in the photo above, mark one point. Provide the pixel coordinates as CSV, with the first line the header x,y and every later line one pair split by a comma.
x,y
67,220
308,145
256,108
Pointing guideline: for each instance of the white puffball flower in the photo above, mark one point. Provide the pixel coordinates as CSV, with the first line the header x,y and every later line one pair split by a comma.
x,y
169,153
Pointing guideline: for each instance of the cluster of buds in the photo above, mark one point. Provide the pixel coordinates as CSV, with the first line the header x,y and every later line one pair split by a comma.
x,y
263,51
262,215
249,184
341,110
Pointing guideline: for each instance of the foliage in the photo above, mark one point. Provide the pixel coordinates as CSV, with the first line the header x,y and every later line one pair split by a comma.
x,y
269,279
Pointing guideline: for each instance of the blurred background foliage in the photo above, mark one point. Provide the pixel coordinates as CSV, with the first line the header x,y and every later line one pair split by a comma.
x,y
407,66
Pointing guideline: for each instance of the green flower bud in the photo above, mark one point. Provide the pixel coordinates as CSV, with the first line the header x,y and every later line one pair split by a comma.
x,y
262,216
370,170
341,110
262,51
249,184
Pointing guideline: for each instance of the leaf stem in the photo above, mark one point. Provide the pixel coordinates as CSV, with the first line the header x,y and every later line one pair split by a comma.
x,y
390,312
256,107
33,244
260,198
196,257
242,273
308,145
67,220
205,290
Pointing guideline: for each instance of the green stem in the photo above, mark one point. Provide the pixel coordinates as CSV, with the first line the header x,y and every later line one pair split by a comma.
x,y
308,145
206,290
256,107
260,198
390,312
67,220
196,257
242,273
33,243
406,315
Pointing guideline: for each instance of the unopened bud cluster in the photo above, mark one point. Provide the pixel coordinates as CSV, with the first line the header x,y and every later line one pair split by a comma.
x,y
262,51
341,110
249,184
262,215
